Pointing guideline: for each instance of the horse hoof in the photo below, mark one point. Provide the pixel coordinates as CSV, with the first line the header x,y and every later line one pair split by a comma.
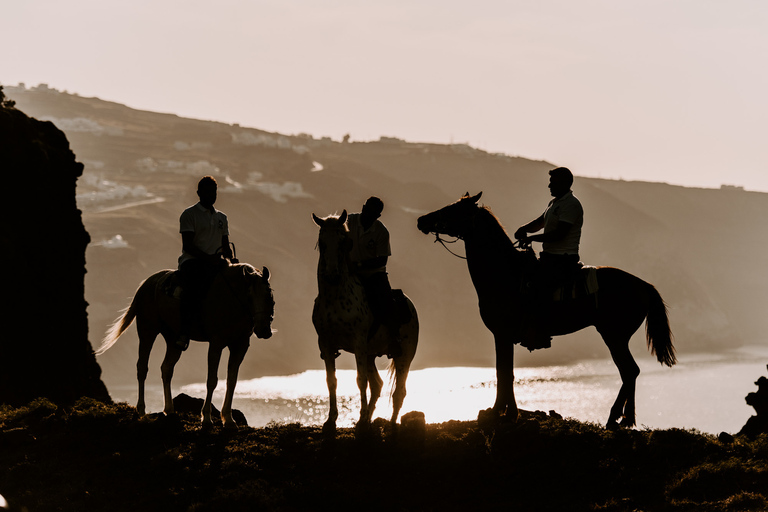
x,y
230,426
329,428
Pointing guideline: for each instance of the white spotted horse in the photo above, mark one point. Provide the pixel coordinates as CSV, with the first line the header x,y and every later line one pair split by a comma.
x,y
344,321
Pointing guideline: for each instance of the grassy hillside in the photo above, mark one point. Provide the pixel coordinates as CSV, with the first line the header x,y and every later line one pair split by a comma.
x,y
104,457
700,248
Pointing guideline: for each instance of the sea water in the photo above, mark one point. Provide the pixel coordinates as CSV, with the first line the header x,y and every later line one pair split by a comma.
x,y
703,392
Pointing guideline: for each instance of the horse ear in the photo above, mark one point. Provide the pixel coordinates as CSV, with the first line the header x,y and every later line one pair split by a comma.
x,y
317,220
477,197
265,273
343,217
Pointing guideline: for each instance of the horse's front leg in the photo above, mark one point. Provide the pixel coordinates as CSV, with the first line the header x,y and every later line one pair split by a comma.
x,y
505,378
214,357
330,378
236,356
172,355
362,385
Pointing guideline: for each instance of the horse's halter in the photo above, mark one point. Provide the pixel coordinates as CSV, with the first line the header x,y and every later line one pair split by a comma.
x,y
441,226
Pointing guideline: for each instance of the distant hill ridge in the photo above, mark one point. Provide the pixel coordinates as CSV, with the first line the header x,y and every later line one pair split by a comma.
x,y
702,248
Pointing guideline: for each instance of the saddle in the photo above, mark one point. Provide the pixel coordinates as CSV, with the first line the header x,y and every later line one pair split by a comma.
x,y
172,286
578,285
402,311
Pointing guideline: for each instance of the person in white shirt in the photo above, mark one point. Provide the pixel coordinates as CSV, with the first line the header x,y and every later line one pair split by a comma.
x,y
369,255
562,222
205,243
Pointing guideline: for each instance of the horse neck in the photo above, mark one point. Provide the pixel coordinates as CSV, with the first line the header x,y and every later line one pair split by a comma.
x,y
491,257
327,289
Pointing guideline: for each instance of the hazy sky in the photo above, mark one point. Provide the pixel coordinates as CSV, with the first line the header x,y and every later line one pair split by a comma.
x,y
671,90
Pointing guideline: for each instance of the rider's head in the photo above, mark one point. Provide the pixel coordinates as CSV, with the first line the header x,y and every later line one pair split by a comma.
x,y
206,191
560,181
373,207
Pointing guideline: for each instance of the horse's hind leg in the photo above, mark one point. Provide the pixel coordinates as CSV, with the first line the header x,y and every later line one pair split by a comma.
x,y
375,384
146,341
402,366
623,410
172,355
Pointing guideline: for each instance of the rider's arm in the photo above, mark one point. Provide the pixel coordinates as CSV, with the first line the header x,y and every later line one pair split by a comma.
x,y
561,229
372,263
531,227
188,244
226,249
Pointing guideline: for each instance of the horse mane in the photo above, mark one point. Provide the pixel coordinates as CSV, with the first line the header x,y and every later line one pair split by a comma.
x,y
336,217
498,231
246,269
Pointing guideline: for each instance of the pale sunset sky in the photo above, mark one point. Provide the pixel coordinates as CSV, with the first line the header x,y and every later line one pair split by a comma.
x,y
671,91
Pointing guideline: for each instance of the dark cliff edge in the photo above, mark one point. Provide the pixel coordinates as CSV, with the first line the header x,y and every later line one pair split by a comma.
x,y
44,347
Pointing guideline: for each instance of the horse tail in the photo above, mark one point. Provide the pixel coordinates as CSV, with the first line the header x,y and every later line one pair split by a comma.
x,y
657,330
129,314
116,329
391,372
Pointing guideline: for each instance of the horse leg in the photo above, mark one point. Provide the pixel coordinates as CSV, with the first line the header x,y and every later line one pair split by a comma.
x,y
362,385
214,357
505,378
375,384
623,409
146,340
330,378
172,355
402,366
236,356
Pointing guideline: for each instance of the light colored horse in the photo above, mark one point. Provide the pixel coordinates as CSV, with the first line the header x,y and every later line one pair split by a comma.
x,y
496,267
343,319
239,303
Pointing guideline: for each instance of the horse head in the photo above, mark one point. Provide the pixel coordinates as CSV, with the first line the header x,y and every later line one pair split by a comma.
x,y
334,244
262,301
455,220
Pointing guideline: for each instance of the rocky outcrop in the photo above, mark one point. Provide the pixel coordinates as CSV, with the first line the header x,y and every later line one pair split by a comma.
x,y
757,424
44,347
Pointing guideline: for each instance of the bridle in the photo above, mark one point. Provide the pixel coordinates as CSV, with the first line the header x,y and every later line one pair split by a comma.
x,y
443,242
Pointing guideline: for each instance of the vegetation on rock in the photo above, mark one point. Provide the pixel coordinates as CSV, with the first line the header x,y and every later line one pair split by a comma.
x,y
96,456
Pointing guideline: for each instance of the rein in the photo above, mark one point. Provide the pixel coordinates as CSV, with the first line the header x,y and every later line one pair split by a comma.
x,y
443,242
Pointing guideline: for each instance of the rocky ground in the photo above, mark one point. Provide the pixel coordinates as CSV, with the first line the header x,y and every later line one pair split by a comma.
x,y
105,457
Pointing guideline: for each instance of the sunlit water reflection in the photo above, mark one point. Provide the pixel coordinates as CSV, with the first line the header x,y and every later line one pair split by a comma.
x,y
704,391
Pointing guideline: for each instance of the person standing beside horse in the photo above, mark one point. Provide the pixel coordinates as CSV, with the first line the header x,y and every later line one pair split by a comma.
x,y
559,258
204,231
369,255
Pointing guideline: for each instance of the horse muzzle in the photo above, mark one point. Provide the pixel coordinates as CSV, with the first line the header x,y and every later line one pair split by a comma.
x,y
263,334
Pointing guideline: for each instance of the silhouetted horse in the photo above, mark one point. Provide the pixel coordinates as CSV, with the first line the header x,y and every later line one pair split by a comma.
x,y
343,321
239,303
496,266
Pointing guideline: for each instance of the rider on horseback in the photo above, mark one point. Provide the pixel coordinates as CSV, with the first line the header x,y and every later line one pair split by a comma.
x,y
369,254
559,257
204,230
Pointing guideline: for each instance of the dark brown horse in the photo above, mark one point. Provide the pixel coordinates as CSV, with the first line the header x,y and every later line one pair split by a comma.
x,y
496,267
